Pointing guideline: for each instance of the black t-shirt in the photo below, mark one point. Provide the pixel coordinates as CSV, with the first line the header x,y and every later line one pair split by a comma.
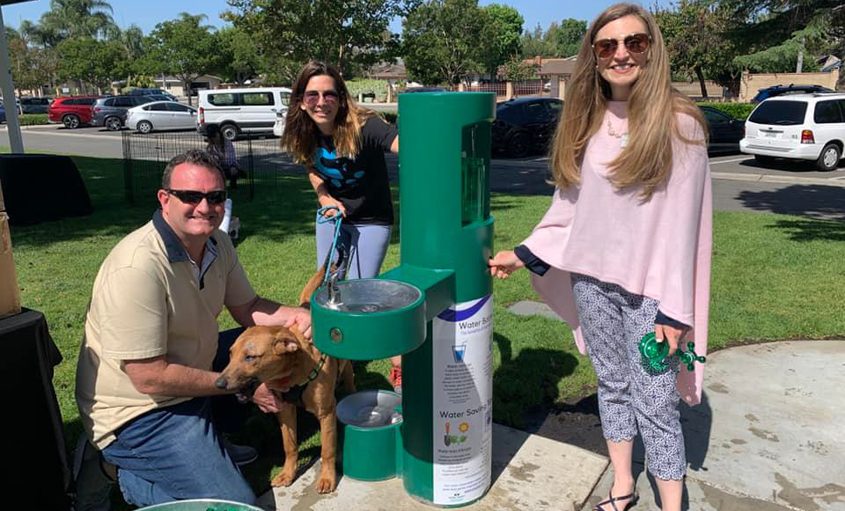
x,y
360,184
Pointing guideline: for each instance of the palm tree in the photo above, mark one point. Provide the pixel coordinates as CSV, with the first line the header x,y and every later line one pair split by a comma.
x,y
69,19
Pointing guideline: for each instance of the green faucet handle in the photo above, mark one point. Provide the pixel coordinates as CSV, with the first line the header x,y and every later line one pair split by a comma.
x,y
689,357
654,354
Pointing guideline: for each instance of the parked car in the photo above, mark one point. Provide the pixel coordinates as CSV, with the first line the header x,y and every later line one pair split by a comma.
x,y
802,126
72,111
2,114
161,97
35,105
725,131
525,125
241,110
146,91
161,115
111,111
779,90
17,102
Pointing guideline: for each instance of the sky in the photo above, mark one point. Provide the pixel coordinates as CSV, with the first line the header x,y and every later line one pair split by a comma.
x,y
147,13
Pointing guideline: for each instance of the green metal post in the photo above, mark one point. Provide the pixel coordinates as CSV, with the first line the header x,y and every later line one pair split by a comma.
x,y
445,225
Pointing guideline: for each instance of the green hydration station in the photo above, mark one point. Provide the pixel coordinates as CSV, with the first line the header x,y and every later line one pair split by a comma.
x,y
435,309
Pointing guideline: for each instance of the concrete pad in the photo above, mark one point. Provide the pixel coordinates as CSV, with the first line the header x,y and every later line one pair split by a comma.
x,y
529,473
768,434
531,308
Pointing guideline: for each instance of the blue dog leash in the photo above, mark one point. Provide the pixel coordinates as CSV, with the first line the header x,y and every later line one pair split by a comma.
x,y
337,218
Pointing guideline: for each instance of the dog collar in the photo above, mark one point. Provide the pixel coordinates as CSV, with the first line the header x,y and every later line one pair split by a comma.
x,y
294,394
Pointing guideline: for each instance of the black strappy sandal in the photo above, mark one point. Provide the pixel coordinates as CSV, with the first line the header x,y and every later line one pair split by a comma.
x,y
612,501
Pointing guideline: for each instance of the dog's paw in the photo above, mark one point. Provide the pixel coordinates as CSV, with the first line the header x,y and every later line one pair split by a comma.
x,y
282,479
326,485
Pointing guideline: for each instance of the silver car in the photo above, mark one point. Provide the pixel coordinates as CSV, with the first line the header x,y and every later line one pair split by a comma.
x,y
161,115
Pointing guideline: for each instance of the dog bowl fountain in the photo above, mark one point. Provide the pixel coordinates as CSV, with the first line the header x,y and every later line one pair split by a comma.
x,y
368,319
371,420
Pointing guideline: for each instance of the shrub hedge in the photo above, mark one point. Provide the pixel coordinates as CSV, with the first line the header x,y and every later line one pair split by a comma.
x,y
737,110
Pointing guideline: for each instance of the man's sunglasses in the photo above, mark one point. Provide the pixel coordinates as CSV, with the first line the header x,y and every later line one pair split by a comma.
x,y
194,197
634,43
311,97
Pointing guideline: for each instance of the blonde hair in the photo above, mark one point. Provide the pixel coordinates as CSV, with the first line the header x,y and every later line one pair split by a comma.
x,y
646,160
301,134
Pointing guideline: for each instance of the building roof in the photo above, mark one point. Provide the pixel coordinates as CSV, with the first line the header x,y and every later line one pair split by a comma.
x,y
387,71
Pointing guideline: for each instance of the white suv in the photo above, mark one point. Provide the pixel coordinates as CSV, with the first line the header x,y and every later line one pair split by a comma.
x,y
798,126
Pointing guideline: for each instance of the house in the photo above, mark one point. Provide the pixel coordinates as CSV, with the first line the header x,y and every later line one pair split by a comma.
x,y
174,85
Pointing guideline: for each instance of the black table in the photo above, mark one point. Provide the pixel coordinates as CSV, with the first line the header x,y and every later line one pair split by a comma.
x,y
41,187
33,443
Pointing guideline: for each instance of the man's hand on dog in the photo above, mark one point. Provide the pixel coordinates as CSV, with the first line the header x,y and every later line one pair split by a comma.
x,y
300,319
266,399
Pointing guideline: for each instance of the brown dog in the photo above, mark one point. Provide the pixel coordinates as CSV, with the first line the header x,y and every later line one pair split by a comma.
x,y
293,367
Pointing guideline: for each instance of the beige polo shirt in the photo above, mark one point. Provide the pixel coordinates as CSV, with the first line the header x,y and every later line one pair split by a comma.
x,y
149,300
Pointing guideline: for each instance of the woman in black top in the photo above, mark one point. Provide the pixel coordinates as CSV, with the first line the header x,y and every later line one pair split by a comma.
x,y
342,145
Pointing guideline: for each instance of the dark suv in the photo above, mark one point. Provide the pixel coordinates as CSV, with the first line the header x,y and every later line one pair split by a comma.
x,y
31,105
111,111
778,90
525,125
72,111
146,91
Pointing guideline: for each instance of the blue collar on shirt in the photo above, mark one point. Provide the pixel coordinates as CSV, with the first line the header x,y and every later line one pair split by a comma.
x,y
176,251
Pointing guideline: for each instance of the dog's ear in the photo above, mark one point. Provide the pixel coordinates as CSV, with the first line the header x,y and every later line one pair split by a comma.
x,y
284,343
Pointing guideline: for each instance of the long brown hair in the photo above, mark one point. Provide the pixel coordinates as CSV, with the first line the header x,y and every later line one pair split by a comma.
x,y
652,106
301,133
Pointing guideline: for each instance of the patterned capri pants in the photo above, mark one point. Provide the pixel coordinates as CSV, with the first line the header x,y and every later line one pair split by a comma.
x,y
613,321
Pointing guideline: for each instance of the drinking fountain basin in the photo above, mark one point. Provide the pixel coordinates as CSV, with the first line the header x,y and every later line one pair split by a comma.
x,y
368,319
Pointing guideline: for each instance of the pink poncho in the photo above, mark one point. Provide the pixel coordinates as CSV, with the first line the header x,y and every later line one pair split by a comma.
x,y
660,249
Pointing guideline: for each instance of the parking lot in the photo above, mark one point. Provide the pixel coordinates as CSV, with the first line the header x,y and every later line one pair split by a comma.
x,y
739,182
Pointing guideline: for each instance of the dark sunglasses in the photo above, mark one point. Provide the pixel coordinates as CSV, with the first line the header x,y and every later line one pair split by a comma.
x,y
311,97
634,43
194,197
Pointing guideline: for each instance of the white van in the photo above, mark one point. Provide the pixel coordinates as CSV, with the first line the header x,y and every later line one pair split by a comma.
x,y
797,126
241,110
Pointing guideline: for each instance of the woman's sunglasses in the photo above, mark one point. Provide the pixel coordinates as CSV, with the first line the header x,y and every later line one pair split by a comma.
x,y
194,197
634,43
311,97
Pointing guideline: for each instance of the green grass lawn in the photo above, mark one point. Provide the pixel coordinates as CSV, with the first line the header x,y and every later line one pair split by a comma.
x,y
774,277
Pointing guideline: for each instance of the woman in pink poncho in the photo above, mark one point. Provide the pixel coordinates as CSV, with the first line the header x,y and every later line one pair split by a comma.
x,y
625,247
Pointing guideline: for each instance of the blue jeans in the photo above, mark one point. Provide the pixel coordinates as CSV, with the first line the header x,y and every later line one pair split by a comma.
x,y
174,453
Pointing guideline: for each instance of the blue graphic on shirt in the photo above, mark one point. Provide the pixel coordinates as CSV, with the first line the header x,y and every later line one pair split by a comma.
x,y
338,171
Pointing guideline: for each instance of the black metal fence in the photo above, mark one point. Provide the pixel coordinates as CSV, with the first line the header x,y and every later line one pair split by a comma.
x,y
146,155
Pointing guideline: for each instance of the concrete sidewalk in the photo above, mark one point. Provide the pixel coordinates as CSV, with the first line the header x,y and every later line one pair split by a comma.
x,y
767,437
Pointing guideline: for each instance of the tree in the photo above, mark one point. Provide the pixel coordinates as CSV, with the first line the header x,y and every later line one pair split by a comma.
x,y
698,48
568,36
68,19
344,33
771,34
500,38
240,57
440,41
517,70
184,48
536,43
91,61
